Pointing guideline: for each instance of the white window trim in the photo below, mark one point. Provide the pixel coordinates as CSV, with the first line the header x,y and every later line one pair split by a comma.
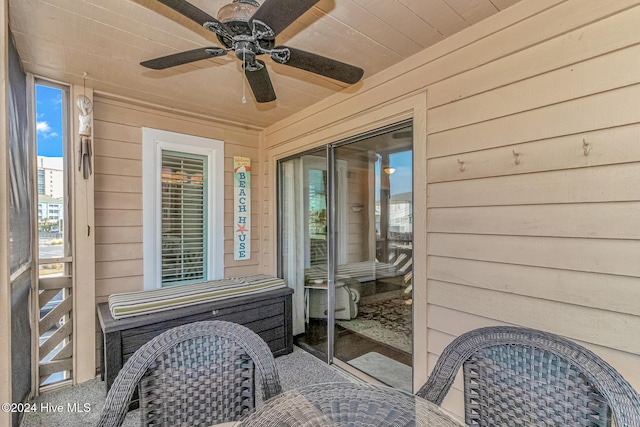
x,y
153,142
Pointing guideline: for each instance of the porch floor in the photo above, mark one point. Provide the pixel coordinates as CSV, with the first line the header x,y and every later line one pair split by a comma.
x,y
296,370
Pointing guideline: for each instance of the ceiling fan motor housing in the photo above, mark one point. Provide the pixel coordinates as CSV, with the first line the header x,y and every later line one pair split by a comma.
x,y
249,29
245,51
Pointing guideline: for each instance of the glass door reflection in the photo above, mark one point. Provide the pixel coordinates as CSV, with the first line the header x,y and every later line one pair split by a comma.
x,y
303,242
375,276
346,230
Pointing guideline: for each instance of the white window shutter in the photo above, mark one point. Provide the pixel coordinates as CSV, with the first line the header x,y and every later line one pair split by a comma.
x,y
184,218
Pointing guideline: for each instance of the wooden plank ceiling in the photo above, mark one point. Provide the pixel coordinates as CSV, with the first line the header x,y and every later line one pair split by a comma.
x,y
63,39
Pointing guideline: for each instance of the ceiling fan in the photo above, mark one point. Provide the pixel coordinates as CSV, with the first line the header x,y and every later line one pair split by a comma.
x,y
249,30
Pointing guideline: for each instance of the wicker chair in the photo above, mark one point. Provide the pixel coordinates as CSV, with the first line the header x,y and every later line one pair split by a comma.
x,y
523,377
192,375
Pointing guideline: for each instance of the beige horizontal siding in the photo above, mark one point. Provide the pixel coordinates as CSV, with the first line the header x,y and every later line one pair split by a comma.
x,y
592,255
119,251
541,105
121,184
118,191
540,227
571,117
566,57
518,29
124,200
117,149
604,147
569,286
597,184
118,234
617,220
601,327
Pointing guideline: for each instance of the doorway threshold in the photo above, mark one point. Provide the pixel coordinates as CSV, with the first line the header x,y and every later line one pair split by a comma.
x,y
402,381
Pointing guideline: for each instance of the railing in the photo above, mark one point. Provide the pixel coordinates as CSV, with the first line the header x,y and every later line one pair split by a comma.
x,y
55,326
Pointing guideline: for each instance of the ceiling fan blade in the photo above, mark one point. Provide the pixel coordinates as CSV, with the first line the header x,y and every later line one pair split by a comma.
x,y
260,83
279,14
183,58
199,16
317,64
402,134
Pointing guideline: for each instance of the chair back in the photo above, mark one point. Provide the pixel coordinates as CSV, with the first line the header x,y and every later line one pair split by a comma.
x,y
520,376
199,374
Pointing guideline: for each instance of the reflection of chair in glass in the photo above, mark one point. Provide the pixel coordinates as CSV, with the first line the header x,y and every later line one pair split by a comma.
x,y
347,297
196,374
362,271
317,251
349,278
404,265
525,377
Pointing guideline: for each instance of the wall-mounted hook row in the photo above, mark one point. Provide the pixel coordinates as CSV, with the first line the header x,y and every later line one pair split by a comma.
x,y
517,157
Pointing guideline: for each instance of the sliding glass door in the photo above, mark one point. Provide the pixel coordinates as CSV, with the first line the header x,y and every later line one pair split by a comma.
x,y
303,230
346,233
375,275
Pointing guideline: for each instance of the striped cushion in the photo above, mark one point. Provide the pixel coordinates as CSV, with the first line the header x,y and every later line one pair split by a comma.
x,y
134,303
361,271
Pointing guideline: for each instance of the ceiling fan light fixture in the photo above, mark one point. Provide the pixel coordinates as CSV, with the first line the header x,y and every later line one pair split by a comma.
x,y
238,11
389,170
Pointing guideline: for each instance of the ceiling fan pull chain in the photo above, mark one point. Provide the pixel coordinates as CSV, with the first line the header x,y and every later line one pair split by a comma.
x,y
244,82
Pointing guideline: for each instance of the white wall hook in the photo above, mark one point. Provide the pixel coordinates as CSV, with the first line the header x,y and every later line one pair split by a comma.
x,y
586,147
462,164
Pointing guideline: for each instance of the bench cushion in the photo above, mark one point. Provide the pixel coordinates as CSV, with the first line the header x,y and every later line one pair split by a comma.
x,y
361,271
152,301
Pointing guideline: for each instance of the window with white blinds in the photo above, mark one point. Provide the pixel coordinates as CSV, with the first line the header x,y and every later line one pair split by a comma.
x,y
183,208
184,204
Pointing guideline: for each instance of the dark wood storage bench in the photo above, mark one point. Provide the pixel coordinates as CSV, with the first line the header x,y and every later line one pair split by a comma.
x,y
267,313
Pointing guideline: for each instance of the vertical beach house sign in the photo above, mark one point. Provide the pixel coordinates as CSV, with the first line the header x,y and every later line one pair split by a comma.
x,y
242,207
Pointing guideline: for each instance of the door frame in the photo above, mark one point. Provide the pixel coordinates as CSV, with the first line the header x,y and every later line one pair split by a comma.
x,y
291,139
337,209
